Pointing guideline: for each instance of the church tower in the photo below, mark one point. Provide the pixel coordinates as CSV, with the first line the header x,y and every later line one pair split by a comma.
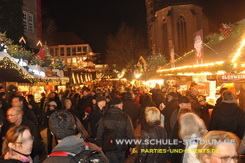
x,y
173,22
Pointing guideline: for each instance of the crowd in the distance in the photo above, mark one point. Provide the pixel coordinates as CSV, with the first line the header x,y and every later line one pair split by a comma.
x,y
84,124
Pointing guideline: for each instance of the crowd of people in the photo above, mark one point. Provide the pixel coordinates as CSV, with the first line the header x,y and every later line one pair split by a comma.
x,y
85,124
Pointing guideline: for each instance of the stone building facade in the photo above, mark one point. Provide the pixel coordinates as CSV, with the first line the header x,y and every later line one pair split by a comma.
x,y
32,21
173,24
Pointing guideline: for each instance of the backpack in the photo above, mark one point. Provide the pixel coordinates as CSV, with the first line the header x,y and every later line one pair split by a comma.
x,y
85,156
109,137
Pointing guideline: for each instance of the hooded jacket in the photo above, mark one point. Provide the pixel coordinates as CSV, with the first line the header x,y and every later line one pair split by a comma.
x,y
70,144
228,117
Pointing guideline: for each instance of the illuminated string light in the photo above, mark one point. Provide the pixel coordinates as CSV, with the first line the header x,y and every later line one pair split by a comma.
x,y
239,50
192,66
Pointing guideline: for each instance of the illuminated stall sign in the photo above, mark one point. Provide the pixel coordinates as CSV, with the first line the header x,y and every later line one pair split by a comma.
x,y
231,78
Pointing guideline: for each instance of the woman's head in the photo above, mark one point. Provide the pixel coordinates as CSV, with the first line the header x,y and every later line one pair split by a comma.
x,y
68,104
152,114
20,139
52,105
224,144
191,124
182,111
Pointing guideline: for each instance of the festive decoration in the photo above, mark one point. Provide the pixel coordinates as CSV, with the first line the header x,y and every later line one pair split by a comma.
x,y
48,58
36,61
9,62
59,64
225,30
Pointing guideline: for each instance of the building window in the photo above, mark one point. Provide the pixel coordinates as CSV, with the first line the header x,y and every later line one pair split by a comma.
x,y
182,35
62,52
165,38
68,51
85,49
52,52
56,52
28,22
79,49
31,23
74,51
25,21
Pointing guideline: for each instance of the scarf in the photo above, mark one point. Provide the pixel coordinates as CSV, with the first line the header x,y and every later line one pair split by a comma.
x,y
17,156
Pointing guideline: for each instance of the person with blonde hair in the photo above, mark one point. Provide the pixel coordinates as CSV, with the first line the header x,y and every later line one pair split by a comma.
x,y
152,131
223,146
228,116
192,128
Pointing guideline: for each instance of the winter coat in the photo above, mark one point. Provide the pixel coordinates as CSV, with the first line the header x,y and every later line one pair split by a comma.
x,y
115,119
167,112
95,116
228,117
132,109
152,131
83,103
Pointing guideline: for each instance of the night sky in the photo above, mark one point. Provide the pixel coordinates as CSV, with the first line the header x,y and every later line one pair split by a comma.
x,y
94,20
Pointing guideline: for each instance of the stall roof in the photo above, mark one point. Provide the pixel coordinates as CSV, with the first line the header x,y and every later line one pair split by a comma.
x,y
223,54
221,51
13,72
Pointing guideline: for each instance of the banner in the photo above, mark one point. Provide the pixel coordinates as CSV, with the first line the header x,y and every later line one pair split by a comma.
x,y
228,78
172,56
198,45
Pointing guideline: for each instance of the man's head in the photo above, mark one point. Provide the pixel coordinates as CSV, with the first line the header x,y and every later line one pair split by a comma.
x,y
117,102
101,101
172,95
62,124
85,91
15,115
184,102
17,101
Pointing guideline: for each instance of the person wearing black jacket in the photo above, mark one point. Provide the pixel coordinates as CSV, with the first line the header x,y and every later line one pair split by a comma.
x,y
51,109
55,97
63,126
69,107
146,102
96,114
5,104
115,120
228,116
20,101
131,108
15,116
152,131
84,102
35,108
171,106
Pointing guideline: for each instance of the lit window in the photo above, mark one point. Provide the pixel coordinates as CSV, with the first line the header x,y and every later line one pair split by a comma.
x,y
25,22
31,23
73,51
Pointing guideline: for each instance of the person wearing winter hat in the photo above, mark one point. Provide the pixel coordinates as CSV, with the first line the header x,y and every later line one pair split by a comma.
x,y
116,121
52,107
96,114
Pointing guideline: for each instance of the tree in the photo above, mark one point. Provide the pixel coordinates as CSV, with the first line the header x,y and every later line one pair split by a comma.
x,y
125,48
11,19
154,62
